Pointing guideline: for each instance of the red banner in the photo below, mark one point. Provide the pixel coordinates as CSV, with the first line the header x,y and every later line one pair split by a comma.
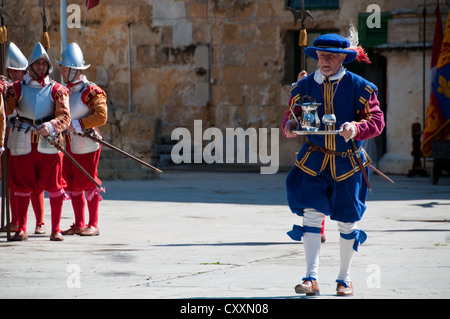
x,y
437,122
91,3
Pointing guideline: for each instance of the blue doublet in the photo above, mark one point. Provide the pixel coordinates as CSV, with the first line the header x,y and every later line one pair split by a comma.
x,y
331,184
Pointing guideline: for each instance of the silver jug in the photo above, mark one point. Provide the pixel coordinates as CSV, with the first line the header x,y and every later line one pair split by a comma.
x,y
310,119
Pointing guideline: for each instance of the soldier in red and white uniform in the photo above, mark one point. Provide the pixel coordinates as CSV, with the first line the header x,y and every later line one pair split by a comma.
x,y
88,110
16,68
42,107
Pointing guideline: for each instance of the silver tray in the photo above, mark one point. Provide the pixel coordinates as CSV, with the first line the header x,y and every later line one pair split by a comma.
x,y
317,132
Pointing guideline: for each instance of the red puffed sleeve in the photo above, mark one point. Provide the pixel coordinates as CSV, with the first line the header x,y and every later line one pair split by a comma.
x,y
60,95
288,115
371,122
12,96
95,99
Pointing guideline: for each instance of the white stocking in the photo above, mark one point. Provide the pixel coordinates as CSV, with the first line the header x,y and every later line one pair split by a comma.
x,y
346,250
311,241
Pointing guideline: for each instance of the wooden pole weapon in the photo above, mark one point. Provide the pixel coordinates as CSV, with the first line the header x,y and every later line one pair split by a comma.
x,y
302,39
91,134
5,210
53,140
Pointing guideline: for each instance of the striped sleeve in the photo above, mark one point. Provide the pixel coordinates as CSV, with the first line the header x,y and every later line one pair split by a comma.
x,y
60,95
95,99
371,118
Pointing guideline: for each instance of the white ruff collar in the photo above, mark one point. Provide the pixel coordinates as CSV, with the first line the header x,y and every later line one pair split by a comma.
x,y
319,77
32,82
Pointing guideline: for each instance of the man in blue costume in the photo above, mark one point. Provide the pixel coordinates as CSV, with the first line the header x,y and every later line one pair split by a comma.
x,y
326,178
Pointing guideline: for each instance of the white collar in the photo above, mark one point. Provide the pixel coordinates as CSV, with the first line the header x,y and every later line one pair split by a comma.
x,y
78,84
32,82
319,77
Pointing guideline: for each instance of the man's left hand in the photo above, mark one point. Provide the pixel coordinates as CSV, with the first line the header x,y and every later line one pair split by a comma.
x,y
348,131
44,130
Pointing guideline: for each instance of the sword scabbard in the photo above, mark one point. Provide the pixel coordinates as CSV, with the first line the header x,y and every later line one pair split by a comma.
x,y
361,165
381,174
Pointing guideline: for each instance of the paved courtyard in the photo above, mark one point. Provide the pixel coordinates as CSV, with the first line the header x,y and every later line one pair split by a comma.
x,y
200,234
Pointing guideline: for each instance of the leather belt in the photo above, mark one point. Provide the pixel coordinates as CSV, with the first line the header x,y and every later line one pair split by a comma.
x,y
36,122
330,152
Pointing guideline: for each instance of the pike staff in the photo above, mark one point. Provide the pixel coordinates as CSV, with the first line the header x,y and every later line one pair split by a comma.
x,y
5,211
53,140
91,135
45,39
303,37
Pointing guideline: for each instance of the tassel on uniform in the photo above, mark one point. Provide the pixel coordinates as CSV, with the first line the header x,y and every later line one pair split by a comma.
x,y
302,39
3,34
45,40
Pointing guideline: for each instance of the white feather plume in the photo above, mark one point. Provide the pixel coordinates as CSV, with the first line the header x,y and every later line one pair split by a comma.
x,y
353,36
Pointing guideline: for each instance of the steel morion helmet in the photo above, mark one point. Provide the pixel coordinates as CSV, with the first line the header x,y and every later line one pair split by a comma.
x,y
38,53
16,60
73,58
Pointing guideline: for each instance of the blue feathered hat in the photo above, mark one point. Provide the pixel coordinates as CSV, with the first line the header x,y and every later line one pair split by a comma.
x,y
333,43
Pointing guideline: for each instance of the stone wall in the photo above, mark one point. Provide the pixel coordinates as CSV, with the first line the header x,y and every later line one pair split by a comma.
x,y
218,61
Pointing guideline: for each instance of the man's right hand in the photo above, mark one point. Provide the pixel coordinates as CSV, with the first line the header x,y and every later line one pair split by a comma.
x,y
301,75
290,125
